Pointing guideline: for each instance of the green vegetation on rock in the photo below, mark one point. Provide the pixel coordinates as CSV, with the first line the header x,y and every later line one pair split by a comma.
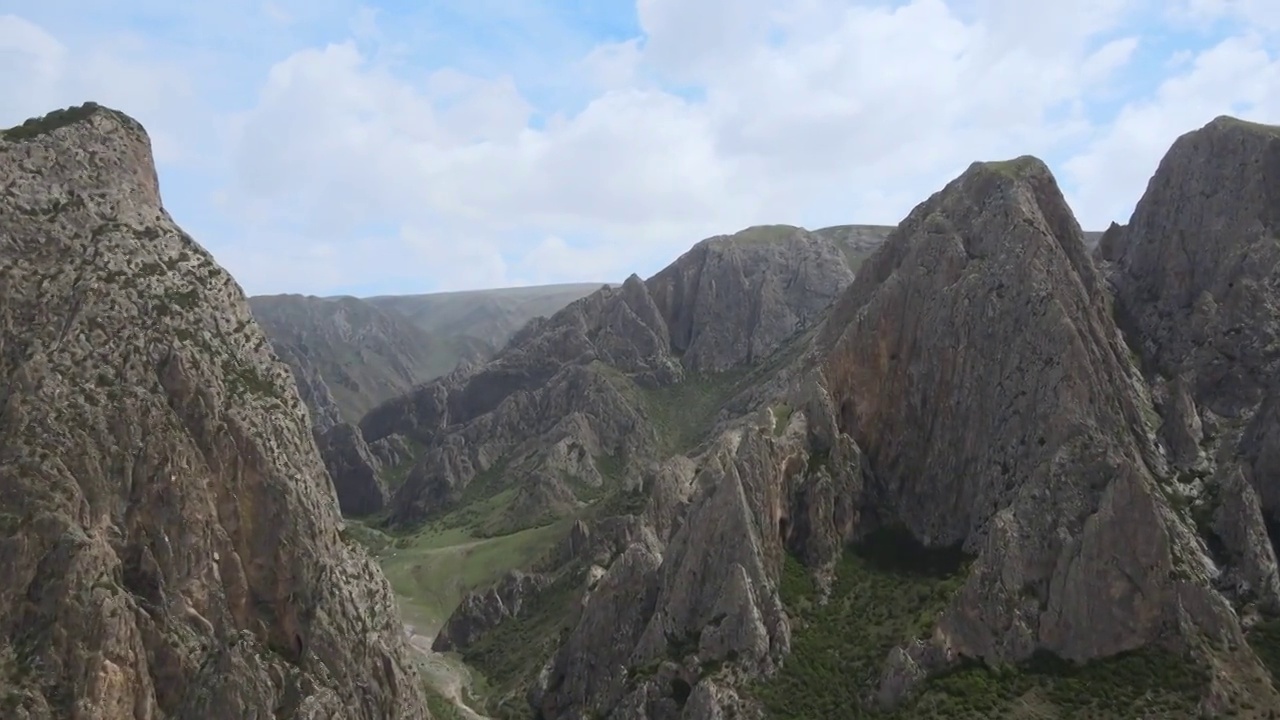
x,y
433,568
685,412
510,654
890,590
35,127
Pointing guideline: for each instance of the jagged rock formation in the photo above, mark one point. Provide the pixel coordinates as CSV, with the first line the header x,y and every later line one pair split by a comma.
x,y
1195,268
347,356
169,533
971,390
566,394
856,242
1034,458
484,610
1195,276
363,353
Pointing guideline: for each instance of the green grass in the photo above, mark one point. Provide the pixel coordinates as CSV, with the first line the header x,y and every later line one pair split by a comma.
x,y
683,413
891,590
433,568
1264,638
439,706
1017,167
781,416
885,593
510,655
764,234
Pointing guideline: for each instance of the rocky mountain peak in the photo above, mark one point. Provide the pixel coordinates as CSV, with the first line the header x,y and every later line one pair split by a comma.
x,y
1195,267
60,140
171,538
1034,459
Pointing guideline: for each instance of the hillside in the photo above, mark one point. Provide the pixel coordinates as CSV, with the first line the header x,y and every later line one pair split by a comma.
x,y
972,483
364,354
170,537
488,316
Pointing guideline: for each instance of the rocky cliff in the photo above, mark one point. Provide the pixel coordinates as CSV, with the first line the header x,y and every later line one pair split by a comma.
x,y
575,400
170,535
346,356
364,354
964,495
1195,277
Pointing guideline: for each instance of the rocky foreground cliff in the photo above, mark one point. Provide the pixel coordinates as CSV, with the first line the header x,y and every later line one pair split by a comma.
x,y
170,537
997,477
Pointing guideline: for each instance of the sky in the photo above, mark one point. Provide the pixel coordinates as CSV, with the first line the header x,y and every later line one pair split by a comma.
x,y
343,147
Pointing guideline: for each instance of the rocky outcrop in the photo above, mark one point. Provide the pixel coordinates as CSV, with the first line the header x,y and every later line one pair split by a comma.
x,y
1194,273
566,390
1195,268
170,536
483,610
347,355
971,389
1036,459
354,470
363,354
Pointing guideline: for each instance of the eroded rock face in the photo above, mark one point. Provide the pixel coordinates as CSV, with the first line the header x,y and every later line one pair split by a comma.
x,y
971,387
1196,266
170,534
1195,274
1035,457
483,610
551,404
354,470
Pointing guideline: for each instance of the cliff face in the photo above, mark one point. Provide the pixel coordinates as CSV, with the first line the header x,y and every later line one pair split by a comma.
x,y
971,396
171,536
346,356
1195,276
571,396
364,354
1195,268
976,364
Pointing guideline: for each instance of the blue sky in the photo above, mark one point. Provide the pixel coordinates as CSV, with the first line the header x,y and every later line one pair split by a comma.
x,y
336,147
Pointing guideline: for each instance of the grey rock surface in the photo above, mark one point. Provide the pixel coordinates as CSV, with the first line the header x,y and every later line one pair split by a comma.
x,y
170,535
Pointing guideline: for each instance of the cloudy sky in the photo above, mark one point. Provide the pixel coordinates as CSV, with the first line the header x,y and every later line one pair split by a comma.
x,y
334,146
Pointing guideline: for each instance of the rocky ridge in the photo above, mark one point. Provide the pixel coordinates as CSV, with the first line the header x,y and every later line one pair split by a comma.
x,y
569,403
482,321
1063,480
347,355
172,539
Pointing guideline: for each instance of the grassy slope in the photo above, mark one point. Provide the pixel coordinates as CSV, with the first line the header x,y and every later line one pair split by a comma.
x,y
433,568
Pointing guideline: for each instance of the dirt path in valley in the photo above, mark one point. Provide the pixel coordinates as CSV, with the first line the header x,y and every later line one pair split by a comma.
x,y
448,677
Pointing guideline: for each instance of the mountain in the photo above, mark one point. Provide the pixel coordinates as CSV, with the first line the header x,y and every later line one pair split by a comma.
x,y
1195,278
364,354
576,398
996,475
172,543
489,317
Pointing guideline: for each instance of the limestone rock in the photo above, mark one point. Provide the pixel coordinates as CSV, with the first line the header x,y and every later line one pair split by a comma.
x,y
480,611
169,532
1034,458
354,470
563,393
1195,267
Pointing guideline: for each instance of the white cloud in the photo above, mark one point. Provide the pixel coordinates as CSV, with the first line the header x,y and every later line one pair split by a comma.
x,y
721,115
1239,76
